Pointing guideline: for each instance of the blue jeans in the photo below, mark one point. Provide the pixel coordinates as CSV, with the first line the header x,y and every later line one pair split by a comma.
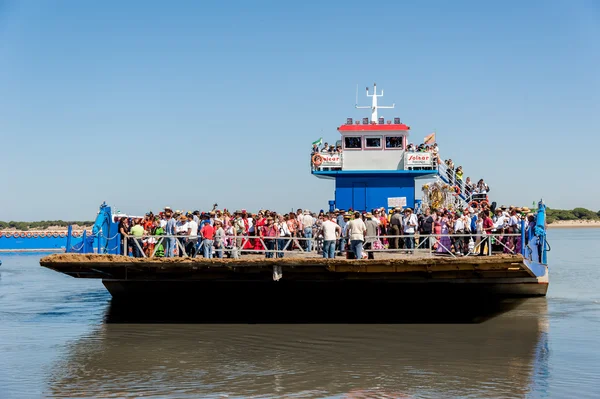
x,y
270,243
169,247
329,249
357,247
409,242
219,250
280,245
308,235
342,244
207,247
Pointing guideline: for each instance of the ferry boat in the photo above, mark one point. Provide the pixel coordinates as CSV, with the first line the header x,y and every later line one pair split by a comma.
x,y
374,170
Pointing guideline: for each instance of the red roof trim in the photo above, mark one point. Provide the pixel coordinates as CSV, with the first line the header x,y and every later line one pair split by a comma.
x,y
372,128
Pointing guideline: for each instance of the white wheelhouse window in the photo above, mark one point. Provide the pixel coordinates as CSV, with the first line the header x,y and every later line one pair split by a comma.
x,y
373,142
352,142
394,142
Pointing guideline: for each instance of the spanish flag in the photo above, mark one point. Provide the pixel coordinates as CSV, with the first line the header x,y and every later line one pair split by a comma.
x,y
429,139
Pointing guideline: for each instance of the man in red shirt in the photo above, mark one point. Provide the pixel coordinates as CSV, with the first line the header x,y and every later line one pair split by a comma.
x,y
488,226
208,234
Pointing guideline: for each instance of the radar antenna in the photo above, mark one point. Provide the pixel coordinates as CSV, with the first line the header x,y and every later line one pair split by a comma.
x,y
374,107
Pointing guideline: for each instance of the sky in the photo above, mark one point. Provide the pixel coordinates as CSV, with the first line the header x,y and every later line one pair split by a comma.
x,y
146,104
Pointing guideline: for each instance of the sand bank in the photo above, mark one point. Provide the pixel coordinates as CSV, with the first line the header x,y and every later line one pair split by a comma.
x,y
575,224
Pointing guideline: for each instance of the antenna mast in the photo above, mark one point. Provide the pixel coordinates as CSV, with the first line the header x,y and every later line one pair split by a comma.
x,y
374,107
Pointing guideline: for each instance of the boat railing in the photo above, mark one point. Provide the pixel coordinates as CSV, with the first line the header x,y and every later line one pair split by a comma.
x,y
234,246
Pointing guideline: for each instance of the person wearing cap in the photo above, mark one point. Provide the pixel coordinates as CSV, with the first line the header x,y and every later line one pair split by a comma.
x,y
208,234
170,231
356,233
410,224
269,233
191,247
396,228
239,229
182,230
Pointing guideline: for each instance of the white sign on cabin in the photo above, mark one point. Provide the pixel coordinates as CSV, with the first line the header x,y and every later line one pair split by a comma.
x,y
331,161
418,159
396,201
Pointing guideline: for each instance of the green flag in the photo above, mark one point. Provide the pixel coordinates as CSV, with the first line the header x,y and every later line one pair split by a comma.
x,y
318,142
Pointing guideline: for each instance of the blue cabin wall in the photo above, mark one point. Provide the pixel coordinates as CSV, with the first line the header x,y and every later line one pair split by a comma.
x,y
364,192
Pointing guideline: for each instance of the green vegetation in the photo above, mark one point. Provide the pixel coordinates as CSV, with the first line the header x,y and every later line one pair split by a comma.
x,y
574,214
44,224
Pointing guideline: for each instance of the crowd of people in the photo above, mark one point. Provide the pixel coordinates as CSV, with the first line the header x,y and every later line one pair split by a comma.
x,y
353,234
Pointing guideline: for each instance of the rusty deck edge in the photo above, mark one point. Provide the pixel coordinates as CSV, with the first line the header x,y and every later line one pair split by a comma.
x,y
121,261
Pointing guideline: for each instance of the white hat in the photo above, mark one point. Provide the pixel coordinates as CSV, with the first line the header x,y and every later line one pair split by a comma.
x,y
306,212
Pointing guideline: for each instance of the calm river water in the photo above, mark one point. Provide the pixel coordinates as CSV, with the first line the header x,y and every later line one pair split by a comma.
x,y
59,340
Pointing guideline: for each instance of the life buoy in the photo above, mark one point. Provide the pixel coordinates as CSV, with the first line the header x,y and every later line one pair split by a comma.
x,y
75,234
42,235
55,235
23,235
1,234
485,202
62,235
29,235
35,235
456,191
317,159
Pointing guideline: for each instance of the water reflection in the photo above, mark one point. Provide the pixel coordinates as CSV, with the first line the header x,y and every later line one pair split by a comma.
x,y
494,358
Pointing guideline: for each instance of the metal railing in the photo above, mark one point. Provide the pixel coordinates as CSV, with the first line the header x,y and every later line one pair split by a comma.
x,y
234,246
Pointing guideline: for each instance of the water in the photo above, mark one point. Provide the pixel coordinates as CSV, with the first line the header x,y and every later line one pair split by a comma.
x,y
59,338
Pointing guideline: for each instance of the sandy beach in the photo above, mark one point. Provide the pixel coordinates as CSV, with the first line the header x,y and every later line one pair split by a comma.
x,y
575,224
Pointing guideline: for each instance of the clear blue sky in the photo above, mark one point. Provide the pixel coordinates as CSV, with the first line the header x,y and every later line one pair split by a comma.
x,y
146,104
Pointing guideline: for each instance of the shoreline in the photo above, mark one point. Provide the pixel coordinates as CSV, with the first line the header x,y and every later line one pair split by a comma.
x,y
575,224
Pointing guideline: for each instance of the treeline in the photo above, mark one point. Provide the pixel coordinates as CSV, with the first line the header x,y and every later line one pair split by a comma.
x,y
553,215
42,225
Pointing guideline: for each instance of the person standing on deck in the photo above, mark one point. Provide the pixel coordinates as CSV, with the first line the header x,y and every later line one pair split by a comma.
x,y
410,223
269,233
356,232
124,231
181,229
372,226
487,225
395,227
219,241
331,231
307,222
137,231
208,234
170,231
341,221
192,243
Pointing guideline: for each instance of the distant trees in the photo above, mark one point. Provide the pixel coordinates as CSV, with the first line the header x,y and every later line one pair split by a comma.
x,y
574,214
42,225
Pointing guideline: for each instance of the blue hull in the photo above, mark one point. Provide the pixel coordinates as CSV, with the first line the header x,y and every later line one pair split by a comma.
x,y
35,244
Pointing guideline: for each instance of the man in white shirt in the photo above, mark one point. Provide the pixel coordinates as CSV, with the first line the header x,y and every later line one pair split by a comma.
x,y
192,242
307,222
459,228
356,232
410,223
181,229
331,231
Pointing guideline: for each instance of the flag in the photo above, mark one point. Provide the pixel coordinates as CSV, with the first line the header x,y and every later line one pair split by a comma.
x,y
318,142
429,139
